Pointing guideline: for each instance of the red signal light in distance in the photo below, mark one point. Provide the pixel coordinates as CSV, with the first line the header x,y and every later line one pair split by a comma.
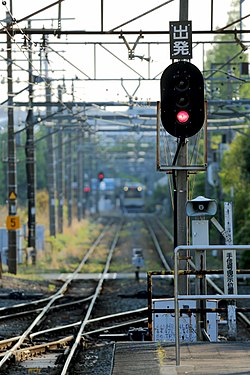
x,y
100,176
182,116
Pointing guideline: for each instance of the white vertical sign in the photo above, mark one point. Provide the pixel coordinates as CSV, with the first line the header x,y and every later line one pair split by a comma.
x,y
229,256
229,266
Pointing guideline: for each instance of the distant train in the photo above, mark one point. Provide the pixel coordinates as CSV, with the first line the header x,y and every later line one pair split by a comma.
x,y
133,197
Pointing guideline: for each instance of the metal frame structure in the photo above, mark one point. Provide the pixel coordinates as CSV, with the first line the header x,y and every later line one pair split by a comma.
x,y
170,168
178,297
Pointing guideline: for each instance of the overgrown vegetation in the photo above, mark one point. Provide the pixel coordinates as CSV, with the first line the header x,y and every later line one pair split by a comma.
x,y
223,65
63,252
235,179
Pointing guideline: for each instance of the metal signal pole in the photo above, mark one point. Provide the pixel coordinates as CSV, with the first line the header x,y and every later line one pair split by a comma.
x,y
182,186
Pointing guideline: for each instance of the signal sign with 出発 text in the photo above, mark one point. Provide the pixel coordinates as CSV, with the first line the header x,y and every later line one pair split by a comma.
x,y
180,40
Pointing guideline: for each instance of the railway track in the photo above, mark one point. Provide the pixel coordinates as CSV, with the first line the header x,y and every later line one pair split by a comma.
x,y
66,328
20,349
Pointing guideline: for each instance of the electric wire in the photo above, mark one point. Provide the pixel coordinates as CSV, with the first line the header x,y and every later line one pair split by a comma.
x,y
47,84
44,78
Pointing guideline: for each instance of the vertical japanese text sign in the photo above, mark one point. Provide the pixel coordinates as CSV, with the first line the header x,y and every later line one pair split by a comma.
x,y
180,40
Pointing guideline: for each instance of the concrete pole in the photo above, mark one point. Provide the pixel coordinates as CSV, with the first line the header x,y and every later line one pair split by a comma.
x,y
12,184
60,190
80,176
51,164
68,158
31,165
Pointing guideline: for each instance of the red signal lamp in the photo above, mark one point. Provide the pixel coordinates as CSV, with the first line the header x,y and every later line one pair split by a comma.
x,y
182,117
100,176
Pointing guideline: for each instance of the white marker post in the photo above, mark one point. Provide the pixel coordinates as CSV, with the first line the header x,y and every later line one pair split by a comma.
x,y
229,267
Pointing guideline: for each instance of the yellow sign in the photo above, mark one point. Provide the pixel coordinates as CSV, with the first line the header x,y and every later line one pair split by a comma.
x,y
12,195
13,222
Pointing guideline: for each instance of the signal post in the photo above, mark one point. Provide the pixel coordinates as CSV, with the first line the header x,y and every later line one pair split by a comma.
x,y
182,116
181,186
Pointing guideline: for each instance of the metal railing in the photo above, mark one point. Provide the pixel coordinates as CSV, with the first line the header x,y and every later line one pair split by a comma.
x,y
178,297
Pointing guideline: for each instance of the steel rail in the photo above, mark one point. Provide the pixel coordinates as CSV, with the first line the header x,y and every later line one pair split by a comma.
x,y
56,296
7,342
90,308
115,326
169,235
59,306
125,314
157,246
117,315
20,305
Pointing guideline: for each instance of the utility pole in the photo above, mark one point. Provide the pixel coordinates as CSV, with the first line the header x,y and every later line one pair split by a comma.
x,y
80,176
51,163
182,185
83,174
30,165
12,186
68,169
60,194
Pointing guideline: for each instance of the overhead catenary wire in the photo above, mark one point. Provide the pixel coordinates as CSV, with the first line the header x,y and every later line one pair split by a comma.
x,y
44,79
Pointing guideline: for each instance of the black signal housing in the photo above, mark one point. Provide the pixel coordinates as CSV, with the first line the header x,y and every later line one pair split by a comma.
x,y
182,99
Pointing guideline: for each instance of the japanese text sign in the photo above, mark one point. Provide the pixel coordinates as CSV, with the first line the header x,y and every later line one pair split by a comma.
x,y
180,40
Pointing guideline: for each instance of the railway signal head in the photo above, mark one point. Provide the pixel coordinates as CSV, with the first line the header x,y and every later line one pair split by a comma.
x,y
182,99
100,176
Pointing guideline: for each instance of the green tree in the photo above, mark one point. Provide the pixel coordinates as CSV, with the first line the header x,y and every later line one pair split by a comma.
x,y
235,177
223,67
223,62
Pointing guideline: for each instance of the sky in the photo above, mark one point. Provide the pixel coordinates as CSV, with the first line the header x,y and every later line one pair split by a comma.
x,y
73,57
